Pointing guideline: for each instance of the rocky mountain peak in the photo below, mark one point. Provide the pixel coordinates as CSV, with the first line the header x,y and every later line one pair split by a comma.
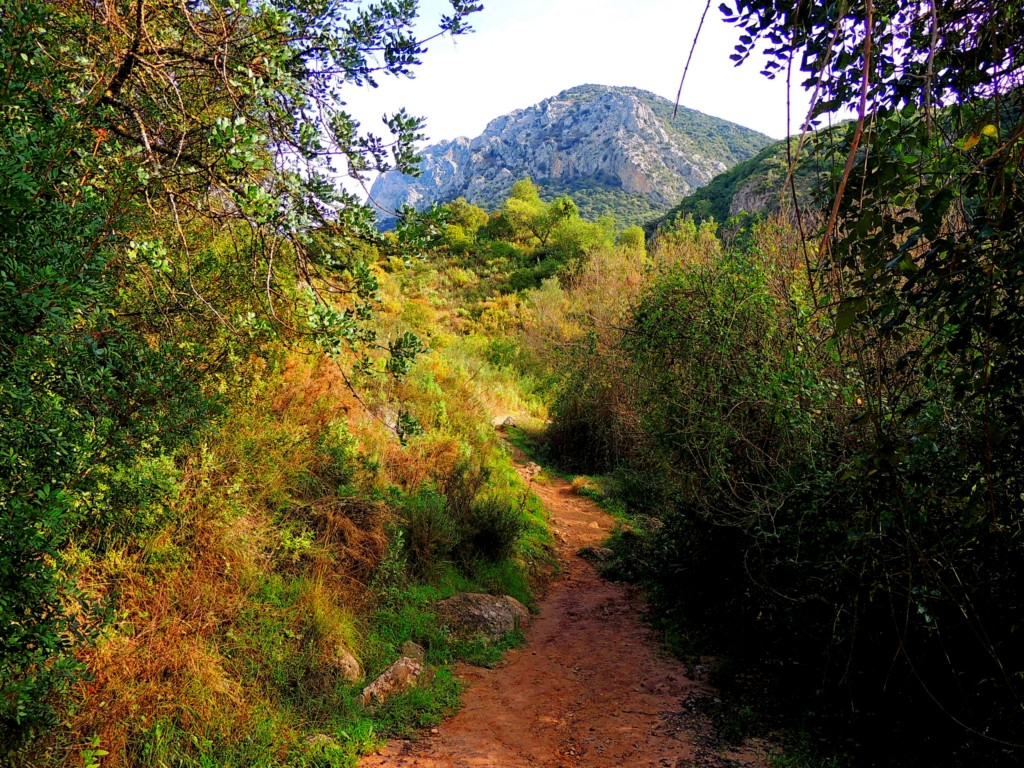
x,y
604,145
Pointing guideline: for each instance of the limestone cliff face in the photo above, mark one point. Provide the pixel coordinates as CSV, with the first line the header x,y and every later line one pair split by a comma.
x,y
619,139
758,195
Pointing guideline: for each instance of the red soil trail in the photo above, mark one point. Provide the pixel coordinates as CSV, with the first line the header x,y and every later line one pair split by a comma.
x,y
590,688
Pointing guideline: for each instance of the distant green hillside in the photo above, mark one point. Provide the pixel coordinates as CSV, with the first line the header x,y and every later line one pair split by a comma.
x,y
755,186
596,200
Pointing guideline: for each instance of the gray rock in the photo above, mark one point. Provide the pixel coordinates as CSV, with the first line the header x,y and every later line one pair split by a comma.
x,y
413,650
755,195
469,614
404,674
346,664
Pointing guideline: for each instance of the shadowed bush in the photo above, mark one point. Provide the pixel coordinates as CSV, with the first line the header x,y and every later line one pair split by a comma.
x,y
494,529
431,535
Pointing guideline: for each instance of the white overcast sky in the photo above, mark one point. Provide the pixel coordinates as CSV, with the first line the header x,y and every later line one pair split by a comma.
x,y
523,51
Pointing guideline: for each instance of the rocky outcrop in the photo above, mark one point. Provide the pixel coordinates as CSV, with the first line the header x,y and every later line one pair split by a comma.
x,y
599,136
404,674
761,185
756,196
469,614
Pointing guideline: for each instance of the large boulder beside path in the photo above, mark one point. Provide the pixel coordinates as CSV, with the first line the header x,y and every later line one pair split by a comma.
x,y
469,614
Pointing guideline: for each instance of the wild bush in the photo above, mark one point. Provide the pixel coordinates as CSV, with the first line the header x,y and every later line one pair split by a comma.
x,y
796,516
576,328
495,527
430,533
596,422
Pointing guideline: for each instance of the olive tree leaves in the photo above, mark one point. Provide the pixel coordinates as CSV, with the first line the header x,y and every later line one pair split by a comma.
x,y
167,204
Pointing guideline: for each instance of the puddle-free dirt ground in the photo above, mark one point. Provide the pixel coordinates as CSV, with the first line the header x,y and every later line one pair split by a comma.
x,y
589,688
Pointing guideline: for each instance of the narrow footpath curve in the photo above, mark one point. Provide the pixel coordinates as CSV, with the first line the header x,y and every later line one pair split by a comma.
x,y
589,688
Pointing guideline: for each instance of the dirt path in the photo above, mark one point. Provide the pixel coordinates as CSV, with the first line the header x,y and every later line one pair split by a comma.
x,y
589,688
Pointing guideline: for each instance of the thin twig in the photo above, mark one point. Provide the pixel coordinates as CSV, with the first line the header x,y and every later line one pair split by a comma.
x,y
791,162
855,143
930,74
679,93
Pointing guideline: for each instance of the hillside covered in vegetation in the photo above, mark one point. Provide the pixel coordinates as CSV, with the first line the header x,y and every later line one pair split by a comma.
x,y
226,495
248,444
760,185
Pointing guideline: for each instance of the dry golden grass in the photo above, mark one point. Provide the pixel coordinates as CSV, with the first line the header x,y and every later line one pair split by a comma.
x,y
582,484
182,596
349,544
159,659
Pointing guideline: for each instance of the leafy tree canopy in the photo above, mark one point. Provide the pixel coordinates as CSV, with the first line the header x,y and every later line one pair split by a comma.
x,y
165,203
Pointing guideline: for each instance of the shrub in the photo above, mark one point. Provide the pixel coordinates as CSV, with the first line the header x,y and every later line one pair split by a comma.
x,y
340,453
495,527
596,423
431,534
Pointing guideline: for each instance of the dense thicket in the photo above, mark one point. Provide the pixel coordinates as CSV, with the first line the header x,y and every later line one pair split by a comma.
x,y
164,208
821,429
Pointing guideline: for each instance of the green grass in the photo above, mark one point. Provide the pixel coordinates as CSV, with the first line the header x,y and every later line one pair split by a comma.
x,y
604,491
407,614
403,715
269,645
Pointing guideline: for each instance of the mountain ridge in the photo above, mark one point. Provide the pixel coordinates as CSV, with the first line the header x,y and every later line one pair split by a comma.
x,y
615,149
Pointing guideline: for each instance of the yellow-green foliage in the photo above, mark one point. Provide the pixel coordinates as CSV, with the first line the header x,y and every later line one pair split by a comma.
x,y
600,292
582,484
632,238
229,617
317,520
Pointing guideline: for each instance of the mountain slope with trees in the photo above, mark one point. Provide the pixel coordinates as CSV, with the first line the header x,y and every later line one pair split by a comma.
x,y
760,185
617,151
